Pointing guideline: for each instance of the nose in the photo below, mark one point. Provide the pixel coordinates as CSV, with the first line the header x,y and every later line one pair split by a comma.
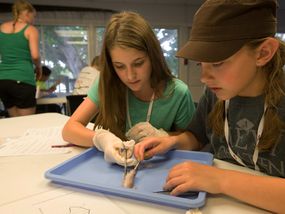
x,y
206,73
131,74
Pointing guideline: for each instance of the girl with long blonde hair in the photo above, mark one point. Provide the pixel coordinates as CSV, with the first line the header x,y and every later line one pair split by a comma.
x,y
136,96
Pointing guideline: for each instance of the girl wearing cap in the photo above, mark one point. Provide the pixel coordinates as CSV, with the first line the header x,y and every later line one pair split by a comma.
x,y
19,50
242,112
135,93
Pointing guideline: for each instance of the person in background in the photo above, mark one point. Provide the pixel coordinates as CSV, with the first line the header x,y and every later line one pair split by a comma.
x,y
242,113
19,50
86,77
136,94
43,90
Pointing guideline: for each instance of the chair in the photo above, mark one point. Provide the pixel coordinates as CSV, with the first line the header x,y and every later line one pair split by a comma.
x,y
73,101
3,111
48,108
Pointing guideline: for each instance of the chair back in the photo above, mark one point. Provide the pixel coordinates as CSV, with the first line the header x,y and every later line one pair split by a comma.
x,y
73,101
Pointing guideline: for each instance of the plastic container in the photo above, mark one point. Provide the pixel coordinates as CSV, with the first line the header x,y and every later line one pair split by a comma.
x,y
90,171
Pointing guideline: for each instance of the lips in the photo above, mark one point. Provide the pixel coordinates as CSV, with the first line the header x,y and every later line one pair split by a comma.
x,y
215,89
134,82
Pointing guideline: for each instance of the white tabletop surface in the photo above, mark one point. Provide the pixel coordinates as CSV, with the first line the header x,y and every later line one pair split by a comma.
x,y
22,177
51,100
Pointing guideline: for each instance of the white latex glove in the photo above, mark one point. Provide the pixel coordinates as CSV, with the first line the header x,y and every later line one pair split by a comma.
x,y
144,129
113,147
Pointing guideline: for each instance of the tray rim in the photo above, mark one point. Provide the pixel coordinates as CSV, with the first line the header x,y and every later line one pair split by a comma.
x,y
162,199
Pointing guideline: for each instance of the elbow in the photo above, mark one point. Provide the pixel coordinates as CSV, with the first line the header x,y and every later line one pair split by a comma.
x,y
64,133
35,58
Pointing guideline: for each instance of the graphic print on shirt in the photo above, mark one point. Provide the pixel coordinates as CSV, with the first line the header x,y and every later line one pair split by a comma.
x,y
243,133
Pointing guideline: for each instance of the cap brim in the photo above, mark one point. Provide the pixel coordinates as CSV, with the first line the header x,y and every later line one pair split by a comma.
x,y
201,51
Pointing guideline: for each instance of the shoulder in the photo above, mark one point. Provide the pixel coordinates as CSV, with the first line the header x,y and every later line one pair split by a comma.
x,y
177,91
281,108
94,87
31,33
31,29
6,26
93,93
179,83
178,86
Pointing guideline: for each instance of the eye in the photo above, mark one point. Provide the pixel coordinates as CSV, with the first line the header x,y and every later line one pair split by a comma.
x,y
218,64
119,67
198,63
139,63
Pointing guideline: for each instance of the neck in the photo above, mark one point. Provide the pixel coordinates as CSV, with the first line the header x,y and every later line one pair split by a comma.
x,y
20,20
145,95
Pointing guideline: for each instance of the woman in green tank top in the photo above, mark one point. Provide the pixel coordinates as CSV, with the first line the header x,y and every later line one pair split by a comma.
x,y
19,50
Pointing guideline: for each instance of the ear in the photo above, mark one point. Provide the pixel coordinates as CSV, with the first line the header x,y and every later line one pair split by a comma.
x,y
266,51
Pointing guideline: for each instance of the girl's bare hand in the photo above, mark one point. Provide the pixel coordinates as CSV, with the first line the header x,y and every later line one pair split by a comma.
x,y
192,176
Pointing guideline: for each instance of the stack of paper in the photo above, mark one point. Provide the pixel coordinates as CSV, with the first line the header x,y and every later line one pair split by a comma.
x,y
35,142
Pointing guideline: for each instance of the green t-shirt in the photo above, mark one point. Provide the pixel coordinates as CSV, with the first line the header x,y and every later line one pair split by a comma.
x,y
16,62
171,112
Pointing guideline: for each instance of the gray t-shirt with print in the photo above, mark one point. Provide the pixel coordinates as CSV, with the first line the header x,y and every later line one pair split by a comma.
x,y
244,115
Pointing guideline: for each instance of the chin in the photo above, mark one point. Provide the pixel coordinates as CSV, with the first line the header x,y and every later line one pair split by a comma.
x,y
135,88
223,96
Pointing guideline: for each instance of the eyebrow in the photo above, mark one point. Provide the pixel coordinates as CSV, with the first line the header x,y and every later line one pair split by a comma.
x,y
139,58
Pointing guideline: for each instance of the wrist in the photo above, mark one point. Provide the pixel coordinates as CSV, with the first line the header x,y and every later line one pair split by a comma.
x,y
174,142
161,132
223,180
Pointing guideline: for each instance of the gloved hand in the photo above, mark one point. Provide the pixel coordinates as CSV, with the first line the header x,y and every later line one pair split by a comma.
x,y
144,129
113,147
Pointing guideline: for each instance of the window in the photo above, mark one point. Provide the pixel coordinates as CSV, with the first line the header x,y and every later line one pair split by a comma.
x,y
65,50
281,36
169,44
167,39
99,40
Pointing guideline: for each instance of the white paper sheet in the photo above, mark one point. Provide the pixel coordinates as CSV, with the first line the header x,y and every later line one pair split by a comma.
x,y
35,142
63,201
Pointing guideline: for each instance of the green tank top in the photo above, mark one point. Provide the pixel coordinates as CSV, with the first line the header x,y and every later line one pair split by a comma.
x,y
16,61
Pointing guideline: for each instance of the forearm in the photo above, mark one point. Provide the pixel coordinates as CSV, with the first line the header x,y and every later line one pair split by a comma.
x,y
261,191
37,62
185,141
75,133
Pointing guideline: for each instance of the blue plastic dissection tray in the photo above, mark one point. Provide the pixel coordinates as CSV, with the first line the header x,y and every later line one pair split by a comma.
x,y
89,170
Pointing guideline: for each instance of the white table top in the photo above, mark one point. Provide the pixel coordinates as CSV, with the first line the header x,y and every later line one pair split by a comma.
x,y
51,100
22,177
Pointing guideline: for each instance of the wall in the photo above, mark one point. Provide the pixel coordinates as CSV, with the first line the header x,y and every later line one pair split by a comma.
x,y
163,13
